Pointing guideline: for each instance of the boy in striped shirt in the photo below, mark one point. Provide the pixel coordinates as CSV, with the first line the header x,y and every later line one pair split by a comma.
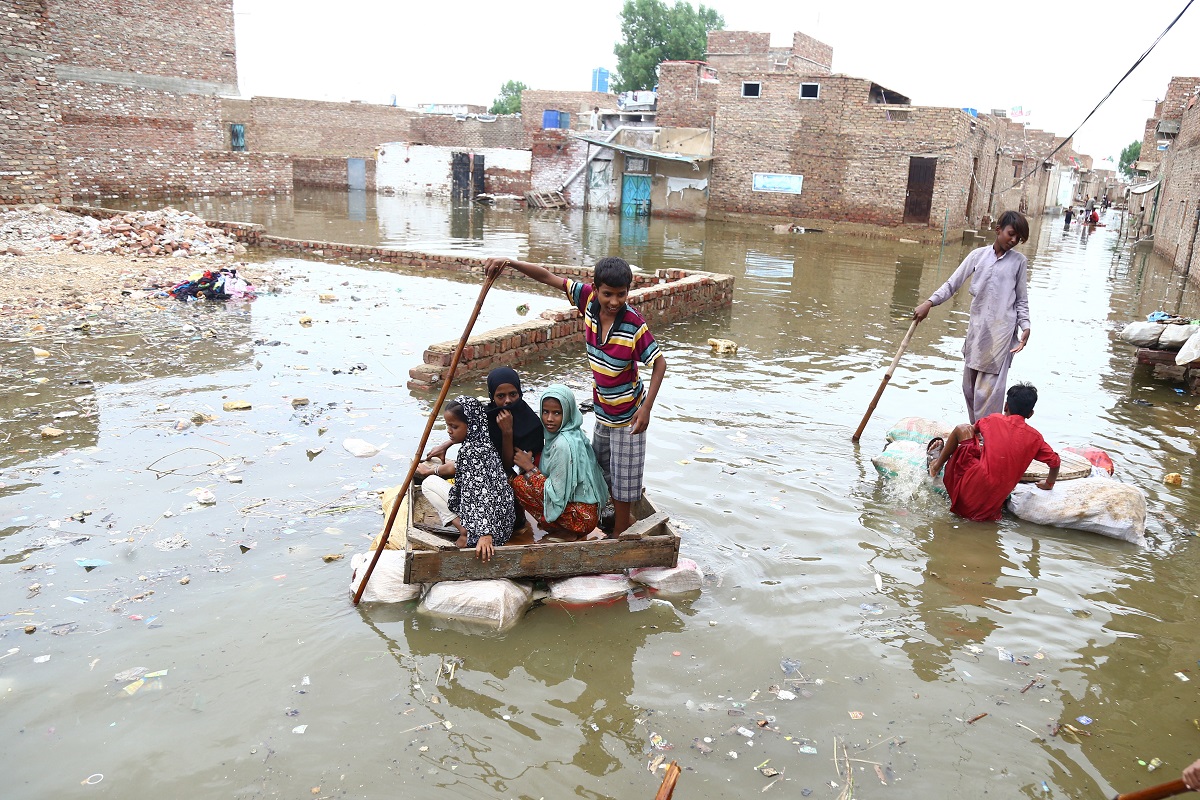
x,y
617,339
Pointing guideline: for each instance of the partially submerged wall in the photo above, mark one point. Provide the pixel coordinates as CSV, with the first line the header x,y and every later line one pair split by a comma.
x,y
179,174
405,168
329,173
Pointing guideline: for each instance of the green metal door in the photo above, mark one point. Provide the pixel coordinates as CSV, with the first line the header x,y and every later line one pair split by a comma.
x,y
635,195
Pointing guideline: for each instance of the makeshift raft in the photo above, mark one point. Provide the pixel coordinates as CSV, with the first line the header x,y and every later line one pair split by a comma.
x,y
430,554
1085,497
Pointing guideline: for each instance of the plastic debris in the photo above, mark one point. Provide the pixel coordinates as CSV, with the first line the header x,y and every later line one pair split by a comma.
x,y
1084,720
236,405
1171,478
361,449
856,715
300,729
91,563
723,346
41,659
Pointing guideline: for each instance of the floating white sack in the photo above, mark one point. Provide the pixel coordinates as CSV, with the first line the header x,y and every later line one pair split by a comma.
x,y
1174,336
387,581
1099,505
919,429
1142,334
1190,351
496,603
685,576
586,589
361,449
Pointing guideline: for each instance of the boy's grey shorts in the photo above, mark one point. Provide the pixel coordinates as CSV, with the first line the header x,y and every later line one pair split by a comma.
x,y
622,457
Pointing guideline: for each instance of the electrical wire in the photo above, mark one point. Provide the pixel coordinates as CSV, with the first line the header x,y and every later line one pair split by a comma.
x,y
1104,99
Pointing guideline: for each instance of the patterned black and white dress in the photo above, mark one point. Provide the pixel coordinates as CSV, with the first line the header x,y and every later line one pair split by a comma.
x,y
481,496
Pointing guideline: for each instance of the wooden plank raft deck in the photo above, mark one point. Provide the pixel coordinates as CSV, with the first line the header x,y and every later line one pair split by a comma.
x,y
430,556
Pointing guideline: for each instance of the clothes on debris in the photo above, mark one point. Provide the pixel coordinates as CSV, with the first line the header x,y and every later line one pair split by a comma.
x,y
224,284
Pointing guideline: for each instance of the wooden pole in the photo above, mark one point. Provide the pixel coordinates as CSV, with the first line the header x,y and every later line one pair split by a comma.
x,y
668,785
447,377
887,377
1157,792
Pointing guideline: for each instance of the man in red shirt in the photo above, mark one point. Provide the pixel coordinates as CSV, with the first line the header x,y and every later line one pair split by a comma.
x,y
987,459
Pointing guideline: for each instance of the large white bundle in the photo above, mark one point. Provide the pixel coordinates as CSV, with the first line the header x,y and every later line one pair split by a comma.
x,y
387,581
1100,505
1175,336
496,603
685,576
1142,334
1190,351
588,589
918,429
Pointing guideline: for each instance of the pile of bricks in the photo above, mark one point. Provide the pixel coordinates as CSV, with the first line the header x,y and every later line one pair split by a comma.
x,y
153,233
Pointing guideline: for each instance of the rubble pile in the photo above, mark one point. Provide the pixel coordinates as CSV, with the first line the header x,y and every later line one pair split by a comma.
x,y
168,232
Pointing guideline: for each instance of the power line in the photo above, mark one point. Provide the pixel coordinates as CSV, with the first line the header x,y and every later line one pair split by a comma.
x,y
1104,99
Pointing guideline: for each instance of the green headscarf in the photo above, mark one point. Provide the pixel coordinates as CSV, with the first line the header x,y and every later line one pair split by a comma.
x,y
568,461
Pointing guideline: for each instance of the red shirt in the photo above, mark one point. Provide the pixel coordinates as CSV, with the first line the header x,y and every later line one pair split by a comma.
x,y
979,478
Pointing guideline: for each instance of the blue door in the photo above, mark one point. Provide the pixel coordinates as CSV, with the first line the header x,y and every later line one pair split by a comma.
x,y
356,173
635,195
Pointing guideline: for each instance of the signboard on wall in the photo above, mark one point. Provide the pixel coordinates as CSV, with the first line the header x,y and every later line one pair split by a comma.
x,y
775,182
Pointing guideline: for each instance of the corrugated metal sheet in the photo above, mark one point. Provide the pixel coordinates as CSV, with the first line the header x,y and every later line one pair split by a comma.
x,y
683,158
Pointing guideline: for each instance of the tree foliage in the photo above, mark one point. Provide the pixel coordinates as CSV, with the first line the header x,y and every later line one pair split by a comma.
x,y
653,32
509,101
1131,153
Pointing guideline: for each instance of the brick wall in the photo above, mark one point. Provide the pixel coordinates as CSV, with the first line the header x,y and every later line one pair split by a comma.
x,y
578,104
741,51
187,39
815,54
556,157
687,94
1179,195
440,129
328,173
315,128
137,174
30,144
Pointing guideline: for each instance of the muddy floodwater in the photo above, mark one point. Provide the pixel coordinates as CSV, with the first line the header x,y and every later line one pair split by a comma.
x,y
888,622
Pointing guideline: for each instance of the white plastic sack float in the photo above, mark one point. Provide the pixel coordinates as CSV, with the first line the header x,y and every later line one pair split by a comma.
x,y
495,604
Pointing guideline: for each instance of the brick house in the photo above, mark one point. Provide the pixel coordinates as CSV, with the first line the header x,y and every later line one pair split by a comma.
x,y
792,138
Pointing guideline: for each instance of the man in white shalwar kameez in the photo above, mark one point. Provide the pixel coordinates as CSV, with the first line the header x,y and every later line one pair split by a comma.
x,y
999,324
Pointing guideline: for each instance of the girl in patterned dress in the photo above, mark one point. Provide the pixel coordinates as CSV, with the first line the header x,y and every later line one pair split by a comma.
x,y
481,497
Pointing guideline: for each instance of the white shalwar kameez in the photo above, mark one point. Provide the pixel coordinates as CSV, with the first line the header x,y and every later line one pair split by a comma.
x,y
999,311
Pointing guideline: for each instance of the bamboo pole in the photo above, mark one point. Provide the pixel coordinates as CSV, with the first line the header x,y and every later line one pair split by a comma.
x,y
1157,792
447,377
886,378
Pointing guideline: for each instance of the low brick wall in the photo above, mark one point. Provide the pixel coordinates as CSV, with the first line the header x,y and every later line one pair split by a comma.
x,y
328,173
671,295
666,296
139,174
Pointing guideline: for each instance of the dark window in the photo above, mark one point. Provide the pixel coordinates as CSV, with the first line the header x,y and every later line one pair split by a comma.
x,y
810,91
1018,166
751,89
237,137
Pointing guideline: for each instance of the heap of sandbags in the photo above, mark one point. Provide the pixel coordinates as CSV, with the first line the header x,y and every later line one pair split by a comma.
x,y
1158,335
387,581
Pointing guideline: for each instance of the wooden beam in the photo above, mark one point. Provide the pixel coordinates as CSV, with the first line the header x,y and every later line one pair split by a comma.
x,y
550,560
423,540
653,525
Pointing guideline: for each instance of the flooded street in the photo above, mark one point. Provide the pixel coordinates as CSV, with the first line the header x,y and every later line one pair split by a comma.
x,y
892,622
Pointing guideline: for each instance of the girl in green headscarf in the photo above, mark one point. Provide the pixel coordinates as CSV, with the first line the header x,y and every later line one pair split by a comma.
x,y
566,491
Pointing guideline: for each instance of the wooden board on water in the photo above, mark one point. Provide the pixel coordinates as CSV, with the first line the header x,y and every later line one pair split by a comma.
x,y
1073,466
650,542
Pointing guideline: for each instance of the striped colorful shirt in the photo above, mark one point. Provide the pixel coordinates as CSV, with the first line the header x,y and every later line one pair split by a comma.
x,y
616,386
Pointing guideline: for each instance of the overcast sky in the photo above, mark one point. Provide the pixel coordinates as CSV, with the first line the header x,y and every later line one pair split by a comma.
x,y
1056,59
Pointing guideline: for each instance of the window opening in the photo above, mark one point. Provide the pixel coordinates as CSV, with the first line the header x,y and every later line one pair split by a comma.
x,y
751,89
810,91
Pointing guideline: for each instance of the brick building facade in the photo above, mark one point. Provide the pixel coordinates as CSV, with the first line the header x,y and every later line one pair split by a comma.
x,y
791,138
1173,206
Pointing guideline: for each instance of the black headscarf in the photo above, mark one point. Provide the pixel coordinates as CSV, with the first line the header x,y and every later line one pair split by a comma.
x,y
480,496
528,433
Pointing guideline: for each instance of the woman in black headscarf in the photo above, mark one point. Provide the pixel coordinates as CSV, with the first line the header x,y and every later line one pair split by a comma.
x,y
512,425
